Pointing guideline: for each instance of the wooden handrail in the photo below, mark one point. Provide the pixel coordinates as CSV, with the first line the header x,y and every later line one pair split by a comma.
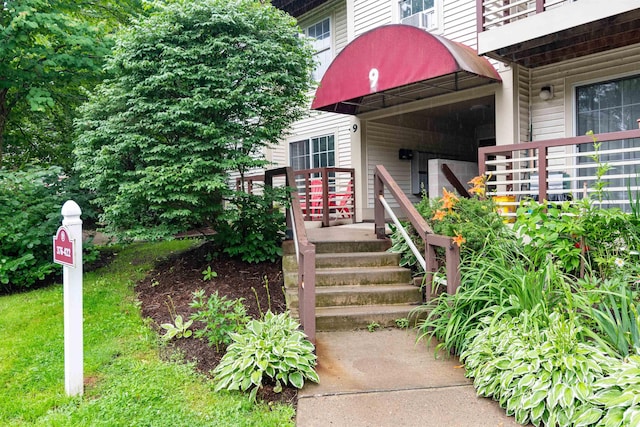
x,y
382,180
306,253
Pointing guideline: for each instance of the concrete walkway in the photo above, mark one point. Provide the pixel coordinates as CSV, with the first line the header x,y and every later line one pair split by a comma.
x,y
383,378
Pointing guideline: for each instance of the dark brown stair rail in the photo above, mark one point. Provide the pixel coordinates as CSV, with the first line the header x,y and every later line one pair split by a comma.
x,y
382,180
305,253
453,180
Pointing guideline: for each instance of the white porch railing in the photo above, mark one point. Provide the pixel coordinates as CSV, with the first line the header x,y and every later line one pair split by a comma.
x,y
496,13
564,169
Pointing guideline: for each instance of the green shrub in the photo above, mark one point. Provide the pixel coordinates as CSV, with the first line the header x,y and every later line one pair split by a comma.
x,y
252,228
30,203
473,222
400,246
271,347
220,315
473,218
577,234
537,368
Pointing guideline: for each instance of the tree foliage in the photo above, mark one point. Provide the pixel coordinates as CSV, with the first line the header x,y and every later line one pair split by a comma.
x,y
30,201
198,89
50,53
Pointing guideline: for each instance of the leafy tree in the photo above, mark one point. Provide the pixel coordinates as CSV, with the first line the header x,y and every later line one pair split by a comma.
x,y
50,53
199,89
31,199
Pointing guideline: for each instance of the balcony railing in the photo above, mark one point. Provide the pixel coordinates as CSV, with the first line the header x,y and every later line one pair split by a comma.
x,y
564,169
326,194
496,13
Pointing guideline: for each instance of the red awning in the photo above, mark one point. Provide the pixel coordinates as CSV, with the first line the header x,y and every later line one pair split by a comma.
x,y
395,64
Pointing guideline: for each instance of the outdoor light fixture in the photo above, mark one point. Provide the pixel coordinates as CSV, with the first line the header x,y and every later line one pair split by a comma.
x,y
546,92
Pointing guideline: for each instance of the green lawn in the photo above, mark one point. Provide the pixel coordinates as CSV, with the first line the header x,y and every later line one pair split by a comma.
x,y
126,382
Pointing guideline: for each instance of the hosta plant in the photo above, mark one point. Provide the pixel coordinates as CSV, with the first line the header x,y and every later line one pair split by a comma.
x,y
537,368
619,394
271,348
178,329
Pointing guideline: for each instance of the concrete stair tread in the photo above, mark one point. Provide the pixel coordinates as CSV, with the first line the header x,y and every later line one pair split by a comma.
x,y
349,255
359,317
365,309
338,270
375,246
352,289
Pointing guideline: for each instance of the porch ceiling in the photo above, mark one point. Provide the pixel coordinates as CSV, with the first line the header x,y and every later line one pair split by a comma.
x,y
597,36
396,64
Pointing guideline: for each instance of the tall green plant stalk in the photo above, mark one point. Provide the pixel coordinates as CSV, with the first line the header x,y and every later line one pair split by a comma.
x,y
499,280
601,168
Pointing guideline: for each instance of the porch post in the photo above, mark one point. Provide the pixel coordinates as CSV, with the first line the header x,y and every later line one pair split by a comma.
x,y
378,190
542,173
325,198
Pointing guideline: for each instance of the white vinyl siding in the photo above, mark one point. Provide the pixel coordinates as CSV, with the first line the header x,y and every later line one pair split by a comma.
x,y
370,14
319,123
384,141
555,118
459,21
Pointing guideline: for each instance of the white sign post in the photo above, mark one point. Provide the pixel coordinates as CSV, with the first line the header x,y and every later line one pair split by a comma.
x,y
67,250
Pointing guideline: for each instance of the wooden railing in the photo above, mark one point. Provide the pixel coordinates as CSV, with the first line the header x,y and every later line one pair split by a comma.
x,y
496,13
563,169
305,253
326,194
382,181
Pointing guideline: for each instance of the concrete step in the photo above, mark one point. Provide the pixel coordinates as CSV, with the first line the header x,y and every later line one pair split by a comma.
x,y
361,276
354,276
288,247
330,296
355,259
359,317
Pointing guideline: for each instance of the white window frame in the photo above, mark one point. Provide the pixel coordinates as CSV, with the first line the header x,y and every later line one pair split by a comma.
x,y
418,19
573,96
323,47
311,152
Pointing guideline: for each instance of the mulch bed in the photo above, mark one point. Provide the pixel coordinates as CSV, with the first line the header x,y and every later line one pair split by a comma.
x,y
174,280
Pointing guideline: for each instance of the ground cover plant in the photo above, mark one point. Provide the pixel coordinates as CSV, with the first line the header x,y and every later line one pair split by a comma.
x,y
272,348
546,317
131,378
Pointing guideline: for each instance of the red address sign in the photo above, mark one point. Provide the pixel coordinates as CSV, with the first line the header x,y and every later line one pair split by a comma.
x,y
63,248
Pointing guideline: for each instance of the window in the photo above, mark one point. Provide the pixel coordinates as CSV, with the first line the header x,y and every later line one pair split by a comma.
x,y
604,107
608,107
419,13
314,153
320,35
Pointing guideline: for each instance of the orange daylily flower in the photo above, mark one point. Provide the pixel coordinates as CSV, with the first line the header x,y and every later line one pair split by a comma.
x,y
479,185
448,199
439,215
459,240
478,180
477,190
